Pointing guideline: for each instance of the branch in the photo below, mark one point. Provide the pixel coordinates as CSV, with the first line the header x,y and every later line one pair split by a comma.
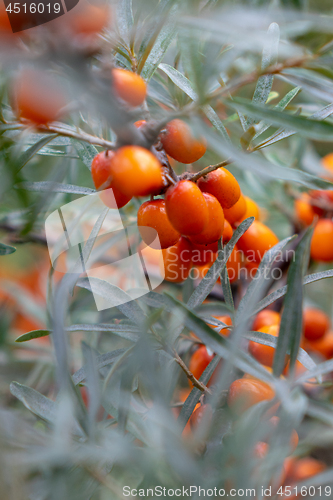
x,y
79,135
209,169
199,385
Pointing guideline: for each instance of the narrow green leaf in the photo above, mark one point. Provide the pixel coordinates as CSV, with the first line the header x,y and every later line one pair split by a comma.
x,y
32,151
34,334
54,187
124,13
225,282
86,152
6,249
318,370
291,320
101,361
207,283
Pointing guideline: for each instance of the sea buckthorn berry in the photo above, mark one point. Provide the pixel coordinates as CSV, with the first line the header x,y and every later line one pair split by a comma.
x,y
234,265
227,232
236,212
257,240
315,323
102,177
327,162
152,214
37,96
204,254
260,449
88,19
204,412
304,210
252,209
177,261
244,393
136,171
199,361
223,185
129,86
139,123
324,196
322,346
215,226
179,142
306,467
264,353
227,321
267,317
187,208
322,241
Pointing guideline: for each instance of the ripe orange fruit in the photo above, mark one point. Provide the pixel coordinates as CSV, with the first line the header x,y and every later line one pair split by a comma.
x,y
315,323
267,317
37,97
102,176
199,361
179,142
152,214
88,19
323,346
252,209
304,210
129,86
227,232
223,185
261,449
139,123
322,241
136,171
225,319
236,212
244,393
306,467
203,412
177,261
234,265
215,226
187,208
257,240
264,353
204,254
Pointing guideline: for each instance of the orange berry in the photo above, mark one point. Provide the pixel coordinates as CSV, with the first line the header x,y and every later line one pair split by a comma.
x,y
227,232
102,176
322,241
180,144
89,19
152,214
223,185
267,317
177,261
129,86
323,346
264,353
136,171
306,467
315,323
199,361
257,240
139,123
236,212
261,449
244,393
187,208
304,210
204,254
215,227
226,320
252,209
203,412
234,265
37,96
327,162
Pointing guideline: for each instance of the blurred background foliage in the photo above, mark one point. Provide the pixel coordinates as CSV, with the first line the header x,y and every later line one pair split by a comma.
x,y
91,408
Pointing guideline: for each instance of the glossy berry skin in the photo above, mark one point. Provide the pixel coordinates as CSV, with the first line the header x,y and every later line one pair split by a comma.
x,y
187,208
129,86
204,254
315,323
152,214
223,185
236,212
267,317
252,209
215,226
306,467
244,393
257,240
203,412
234,265
322,346
199,361
177,261
303,210
322,241
227,232
264,353
37,97
102,178
179,142
136,171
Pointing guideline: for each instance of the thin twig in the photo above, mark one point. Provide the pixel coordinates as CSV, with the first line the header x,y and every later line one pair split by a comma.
x,y
199,385
80,135
209,169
